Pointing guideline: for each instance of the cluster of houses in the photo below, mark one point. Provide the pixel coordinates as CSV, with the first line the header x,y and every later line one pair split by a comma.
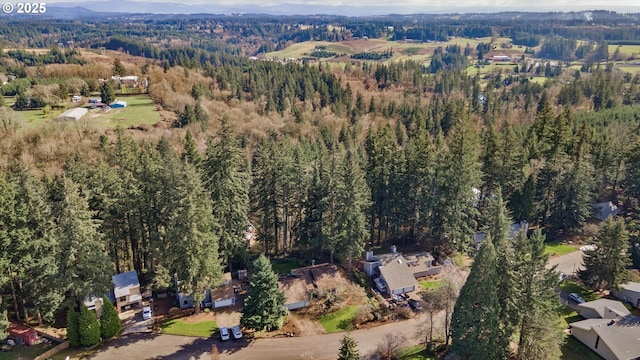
x,y
609,328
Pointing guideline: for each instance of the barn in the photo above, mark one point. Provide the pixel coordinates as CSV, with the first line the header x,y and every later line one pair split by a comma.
x,y
72,114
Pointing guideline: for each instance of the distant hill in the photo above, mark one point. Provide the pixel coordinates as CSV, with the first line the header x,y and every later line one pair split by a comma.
x,y
93,8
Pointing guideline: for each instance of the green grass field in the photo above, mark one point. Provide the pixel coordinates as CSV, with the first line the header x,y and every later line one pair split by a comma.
x,y
573,349
430,284
333,322
179,327
140,110
625,50
417,352
557,249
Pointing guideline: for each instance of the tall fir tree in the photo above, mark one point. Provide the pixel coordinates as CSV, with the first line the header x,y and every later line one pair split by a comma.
x,y
475,324
264,304
540,335
84,266
605,265
226,178
73,327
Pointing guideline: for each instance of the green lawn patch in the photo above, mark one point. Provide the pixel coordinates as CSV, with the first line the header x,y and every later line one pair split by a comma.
x,y
574,287
25,352
417,352
140,110
179,327
430,284
284,266
335,321
573,349
557,249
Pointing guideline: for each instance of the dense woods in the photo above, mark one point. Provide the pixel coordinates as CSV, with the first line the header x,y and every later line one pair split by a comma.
x,y
324,161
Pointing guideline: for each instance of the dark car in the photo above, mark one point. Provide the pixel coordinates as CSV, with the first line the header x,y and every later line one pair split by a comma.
x,y
415,304
575,297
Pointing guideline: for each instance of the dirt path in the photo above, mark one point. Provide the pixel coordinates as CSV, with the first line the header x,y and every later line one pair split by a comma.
x,y
305,327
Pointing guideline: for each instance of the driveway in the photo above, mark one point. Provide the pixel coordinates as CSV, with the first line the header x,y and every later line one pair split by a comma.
x,y
317,347
568,263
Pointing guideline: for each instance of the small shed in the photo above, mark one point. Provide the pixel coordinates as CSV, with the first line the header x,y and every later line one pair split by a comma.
x,y
23,335
629,292
118,104
74,114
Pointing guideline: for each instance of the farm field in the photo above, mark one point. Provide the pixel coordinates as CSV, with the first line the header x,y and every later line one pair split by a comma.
x,y
140,110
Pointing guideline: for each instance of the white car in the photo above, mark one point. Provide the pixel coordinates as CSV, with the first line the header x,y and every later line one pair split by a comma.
x,y
146,313
237,333
224,333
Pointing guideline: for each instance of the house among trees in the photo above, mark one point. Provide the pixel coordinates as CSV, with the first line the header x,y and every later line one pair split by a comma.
x,y
306,281
610,330
222,296
397,272
126,290
629,292
603,210
514,229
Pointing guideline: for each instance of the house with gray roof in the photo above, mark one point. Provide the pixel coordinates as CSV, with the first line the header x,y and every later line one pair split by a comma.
x,y
126,290
612,338
629,292
396,276
603,309
604,210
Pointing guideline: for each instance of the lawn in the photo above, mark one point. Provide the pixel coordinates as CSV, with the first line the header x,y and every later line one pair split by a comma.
x,y
430,284
334,322
25,352
557,249
140,110
417,352
284,266
179,327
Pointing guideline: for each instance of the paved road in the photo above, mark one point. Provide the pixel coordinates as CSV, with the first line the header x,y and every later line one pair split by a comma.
x,y
568,263
317,347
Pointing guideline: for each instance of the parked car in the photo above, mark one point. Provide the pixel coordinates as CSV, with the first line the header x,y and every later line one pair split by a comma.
x,y
415,304
224,333
575,297
237,333
397,298
146,313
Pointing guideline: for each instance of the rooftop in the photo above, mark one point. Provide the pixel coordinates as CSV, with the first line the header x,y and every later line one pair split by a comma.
x,y
123,282
606,309
397,274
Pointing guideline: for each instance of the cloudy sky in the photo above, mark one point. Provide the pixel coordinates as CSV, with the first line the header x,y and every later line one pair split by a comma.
x,y
591,4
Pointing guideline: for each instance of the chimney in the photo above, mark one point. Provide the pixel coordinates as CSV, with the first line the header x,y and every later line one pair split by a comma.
x,y
369,256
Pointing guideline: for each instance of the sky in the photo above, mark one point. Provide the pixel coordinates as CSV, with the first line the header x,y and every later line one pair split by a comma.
x,y
547,4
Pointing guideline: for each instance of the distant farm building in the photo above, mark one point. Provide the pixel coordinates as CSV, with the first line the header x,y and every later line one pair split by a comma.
x,y
118,104
501,58
72,114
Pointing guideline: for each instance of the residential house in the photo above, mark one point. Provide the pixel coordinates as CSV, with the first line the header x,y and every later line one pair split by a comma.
x,y
126,290
614,337
604,210
398,272
309,281
94,303
602,309
222,296
629,292
514,229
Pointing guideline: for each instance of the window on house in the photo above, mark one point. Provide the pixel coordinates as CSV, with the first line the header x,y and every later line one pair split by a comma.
x,y
123,298
185,302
